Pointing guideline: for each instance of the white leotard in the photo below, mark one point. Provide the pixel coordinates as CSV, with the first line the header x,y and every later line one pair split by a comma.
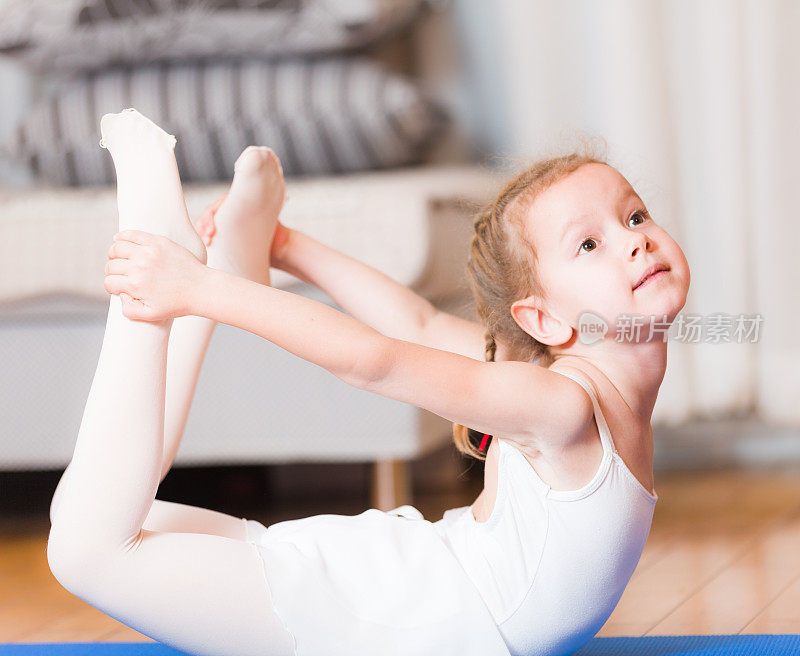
x,y
551,565
540,577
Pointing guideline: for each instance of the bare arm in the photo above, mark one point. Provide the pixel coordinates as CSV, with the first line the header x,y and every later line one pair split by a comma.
x,y
375,299
513,399
363,292
157,279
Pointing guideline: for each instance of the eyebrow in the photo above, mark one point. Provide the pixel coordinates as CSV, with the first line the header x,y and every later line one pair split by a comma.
x,y
572,223
568,229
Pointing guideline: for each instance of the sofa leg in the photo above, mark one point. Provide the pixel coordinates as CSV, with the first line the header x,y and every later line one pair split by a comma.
x,y
391,484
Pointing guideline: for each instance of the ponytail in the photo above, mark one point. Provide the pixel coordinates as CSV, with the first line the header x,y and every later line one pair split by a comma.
x,y
467,440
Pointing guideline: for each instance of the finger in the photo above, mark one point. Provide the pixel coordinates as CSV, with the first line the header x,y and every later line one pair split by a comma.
x,y
115,284
136,236
117,267
211,209
130,305
135,309
205,215
207,222
209,227
216,204
122,249
205,227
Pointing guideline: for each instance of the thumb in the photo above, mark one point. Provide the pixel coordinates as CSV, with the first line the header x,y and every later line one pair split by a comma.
x,y
130,306
201,222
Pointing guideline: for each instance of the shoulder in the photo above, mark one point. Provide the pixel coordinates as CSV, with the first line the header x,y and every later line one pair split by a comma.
x,y
572,411
568,413
630,437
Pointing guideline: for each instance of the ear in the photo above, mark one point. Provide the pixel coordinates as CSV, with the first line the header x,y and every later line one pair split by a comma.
x,y
530,315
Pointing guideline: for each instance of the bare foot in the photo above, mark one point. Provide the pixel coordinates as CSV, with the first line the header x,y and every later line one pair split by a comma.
x,y
149,194
244,224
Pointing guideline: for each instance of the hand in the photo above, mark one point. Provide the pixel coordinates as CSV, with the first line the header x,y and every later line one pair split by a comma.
x,y
154,277
204,225
280,245
206,228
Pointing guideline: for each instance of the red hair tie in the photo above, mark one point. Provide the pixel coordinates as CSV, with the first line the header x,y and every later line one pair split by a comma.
x,y
485,439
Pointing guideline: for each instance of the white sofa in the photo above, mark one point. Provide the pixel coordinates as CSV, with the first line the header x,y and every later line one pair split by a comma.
x,y
255,403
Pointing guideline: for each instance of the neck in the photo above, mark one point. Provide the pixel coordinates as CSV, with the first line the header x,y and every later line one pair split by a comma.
x,y
636,370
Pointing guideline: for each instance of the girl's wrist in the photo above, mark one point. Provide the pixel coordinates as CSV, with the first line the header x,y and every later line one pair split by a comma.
x,y
197,291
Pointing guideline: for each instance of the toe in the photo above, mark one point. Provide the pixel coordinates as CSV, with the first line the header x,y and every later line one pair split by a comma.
x,y
254,159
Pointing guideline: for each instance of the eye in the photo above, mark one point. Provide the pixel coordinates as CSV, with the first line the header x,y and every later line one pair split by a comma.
x,y
642,213
586,241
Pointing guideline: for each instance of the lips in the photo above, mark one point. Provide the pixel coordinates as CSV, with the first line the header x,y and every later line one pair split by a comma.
x,y
650,271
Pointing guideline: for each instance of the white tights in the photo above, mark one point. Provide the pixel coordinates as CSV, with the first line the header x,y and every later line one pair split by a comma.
x,y
182,575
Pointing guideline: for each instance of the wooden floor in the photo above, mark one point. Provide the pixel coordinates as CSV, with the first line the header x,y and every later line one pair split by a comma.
x,y
723,556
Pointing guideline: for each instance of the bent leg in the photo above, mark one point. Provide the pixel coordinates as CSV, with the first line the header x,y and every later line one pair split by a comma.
x,y
204,594
169,516
245,225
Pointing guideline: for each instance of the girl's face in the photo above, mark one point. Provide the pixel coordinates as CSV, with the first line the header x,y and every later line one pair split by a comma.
x,y
594,239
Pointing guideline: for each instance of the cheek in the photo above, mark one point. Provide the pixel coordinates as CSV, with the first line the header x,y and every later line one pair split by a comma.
x,y
677,259
681,257
589,292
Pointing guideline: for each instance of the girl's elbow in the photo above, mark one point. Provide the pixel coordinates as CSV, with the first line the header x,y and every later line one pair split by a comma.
x,y
371,366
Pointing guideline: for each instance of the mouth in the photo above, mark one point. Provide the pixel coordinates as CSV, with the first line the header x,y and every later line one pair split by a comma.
x,y
654,272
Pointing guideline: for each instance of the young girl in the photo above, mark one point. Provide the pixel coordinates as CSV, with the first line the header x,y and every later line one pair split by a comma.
x,y
534,566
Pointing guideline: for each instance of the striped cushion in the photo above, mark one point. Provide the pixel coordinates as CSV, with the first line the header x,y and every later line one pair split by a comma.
x,y
73,35
325,116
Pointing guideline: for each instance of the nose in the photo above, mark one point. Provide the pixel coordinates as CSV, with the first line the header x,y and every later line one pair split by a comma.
x,y
640,242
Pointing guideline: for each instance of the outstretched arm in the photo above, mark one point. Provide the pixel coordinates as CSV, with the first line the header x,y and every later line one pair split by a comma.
x,y
364,292
512,399
376,299
505,398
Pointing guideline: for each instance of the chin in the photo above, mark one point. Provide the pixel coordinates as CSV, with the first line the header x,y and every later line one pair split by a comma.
x,y
656,309
669,301
671,307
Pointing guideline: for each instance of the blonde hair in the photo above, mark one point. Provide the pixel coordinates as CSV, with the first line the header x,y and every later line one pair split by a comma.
x,y
502,265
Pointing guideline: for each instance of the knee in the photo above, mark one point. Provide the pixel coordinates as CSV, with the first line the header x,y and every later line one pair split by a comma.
x,y
76,562
54,503
70,565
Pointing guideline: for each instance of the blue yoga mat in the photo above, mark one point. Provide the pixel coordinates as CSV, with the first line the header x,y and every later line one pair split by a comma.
x,y
698,645
695,645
